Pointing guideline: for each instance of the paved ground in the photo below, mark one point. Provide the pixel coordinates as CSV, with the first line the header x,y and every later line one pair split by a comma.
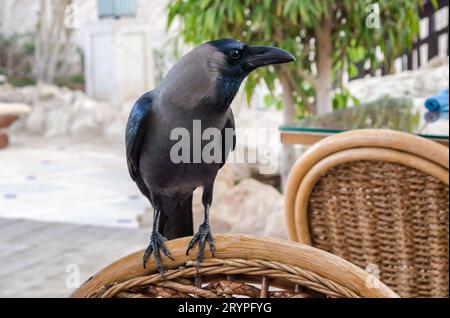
x,y
63,180
38,258
64,204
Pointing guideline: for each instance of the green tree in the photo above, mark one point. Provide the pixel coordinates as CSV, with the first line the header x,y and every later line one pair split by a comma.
x,y
327,37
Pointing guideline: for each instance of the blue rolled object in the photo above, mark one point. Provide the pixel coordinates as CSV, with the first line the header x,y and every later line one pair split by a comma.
x,y
438,102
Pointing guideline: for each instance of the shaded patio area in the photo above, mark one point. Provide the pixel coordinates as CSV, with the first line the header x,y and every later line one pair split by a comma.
x,y
39,253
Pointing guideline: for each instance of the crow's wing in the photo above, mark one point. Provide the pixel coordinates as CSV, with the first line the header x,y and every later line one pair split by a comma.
x,y
134,137
228,145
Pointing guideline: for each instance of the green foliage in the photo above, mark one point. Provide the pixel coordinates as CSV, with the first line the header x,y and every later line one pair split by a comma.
x,y
293,25
23,42
74,81
77,78
342,99
29,47
273,101
21,81
16,53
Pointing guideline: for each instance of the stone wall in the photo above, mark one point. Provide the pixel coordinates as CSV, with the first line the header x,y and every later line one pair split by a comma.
x,y
419,84
59,111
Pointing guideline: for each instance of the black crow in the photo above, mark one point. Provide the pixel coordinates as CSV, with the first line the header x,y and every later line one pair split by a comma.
x,y
197,90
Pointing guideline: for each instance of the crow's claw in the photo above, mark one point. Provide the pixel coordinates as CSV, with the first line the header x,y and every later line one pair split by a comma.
x,y
203,235
156,245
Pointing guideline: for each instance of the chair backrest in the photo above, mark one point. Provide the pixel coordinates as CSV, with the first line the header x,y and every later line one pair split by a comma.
x,y
379,199
243,266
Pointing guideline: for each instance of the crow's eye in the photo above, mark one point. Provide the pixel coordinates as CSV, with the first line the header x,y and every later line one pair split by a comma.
x,y
235,54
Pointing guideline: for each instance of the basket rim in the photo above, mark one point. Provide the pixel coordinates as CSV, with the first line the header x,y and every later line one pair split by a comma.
x,y
232,246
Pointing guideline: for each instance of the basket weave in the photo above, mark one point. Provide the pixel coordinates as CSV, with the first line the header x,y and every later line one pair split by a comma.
x,y
378,198
228,278
389,215
244,266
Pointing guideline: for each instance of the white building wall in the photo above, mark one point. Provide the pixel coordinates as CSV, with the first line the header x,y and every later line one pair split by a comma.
x,y
118,54
18,16
118,60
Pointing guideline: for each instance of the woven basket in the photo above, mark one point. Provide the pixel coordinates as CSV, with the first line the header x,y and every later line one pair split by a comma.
x,y
243,266
380,200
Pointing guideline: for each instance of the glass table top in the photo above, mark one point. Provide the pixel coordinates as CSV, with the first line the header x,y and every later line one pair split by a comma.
x,y
390,113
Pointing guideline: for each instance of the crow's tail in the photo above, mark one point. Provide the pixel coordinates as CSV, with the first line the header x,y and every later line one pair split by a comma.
x,y
178,223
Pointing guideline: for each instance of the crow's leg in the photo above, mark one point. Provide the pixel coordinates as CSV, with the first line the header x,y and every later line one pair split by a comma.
x,y
204,232
156,244
202,236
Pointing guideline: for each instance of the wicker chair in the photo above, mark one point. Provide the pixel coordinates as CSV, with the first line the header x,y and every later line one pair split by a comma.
x,y
243,266
376,198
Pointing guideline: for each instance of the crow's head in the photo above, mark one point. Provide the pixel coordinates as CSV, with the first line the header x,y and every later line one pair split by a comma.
x,y
234,59
229,61
211,74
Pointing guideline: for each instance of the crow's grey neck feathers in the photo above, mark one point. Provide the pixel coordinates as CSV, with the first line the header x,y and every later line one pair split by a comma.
x,y
196,84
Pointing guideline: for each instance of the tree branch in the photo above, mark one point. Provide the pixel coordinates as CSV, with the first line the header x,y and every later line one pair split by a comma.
x,y
307,76
294,86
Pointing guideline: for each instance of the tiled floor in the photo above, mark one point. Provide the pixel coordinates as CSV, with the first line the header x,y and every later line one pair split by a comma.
x,y
46,259
65,180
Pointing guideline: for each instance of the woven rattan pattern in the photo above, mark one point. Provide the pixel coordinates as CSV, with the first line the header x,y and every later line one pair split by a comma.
x,y
228,278
388,215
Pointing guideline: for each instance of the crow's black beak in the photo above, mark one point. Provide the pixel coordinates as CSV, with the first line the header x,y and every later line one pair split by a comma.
x,y
266,55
